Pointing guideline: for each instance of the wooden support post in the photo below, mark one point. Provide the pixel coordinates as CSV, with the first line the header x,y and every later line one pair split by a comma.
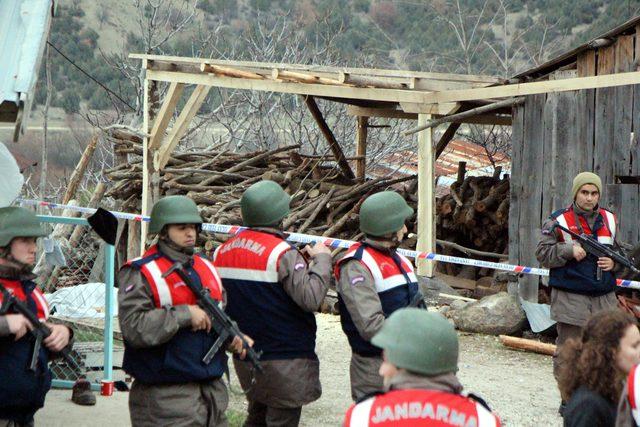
x,y
147,164
361,147
326,131
165,114
181,125
426,197
79,171
446,138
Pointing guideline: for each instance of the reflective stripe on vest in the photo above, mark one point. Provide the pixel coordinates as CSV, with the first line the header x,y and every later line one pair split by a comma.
x,y
16,289
260,264
605,234
171,290
386,274
420,408
633,385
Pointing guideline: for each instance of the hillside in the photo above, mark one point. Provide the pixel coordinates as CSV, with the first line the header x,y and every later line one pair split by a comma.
x,y
499,37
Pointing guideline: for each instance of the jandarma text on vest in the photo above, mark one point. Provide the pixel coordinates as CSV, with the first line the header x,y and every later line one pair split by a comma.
x,y
247,244
423,410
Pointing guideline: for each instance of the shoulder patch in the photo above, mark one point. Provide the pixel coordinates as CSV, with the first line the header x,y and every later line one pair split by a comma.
x,y
356,280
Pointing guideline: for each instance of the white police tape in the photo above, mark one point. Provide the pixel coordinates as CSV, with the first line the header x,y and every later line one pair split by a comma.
x,y
336,243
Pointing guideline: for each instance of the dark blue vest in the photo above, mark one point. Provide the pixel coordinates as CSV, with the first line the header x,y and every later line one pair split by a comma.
x,y
180,359
257,301
265,312
391,300
580,277
22,392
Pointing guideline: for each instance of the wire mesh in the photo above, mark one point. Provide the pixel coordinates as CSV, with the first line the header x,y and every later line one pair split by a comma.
x,y
76,296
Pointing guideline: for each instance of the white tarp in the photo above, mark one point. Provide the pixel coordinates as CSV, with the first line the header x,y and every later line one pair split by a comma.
x,y
82,301
11,180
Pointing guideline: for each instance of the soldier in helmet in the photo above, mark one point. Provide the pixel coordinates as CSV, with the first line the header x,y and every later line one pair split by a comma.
x,y
419,367
166,334
22,391
374,281
273,292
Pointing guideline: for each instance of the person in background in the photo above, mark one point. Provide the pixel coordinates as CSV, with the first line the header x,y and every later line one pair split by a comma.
x,y
22,391
374,280
420,351
273,294
581,284
166,334
594,367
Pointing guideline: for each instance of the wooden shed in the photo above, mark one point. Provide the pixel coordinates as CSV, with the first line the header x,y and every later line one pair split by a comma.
x,y
551,142
557,135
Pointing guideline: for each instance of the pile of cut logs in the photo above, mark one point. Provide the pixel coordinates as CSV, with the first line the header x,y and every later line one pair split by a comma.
x,y
323,202
475,214
471,221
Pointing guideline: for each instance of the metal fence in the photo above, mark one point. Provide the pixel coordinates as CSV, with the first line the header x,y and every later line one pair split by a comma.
x,y
76,273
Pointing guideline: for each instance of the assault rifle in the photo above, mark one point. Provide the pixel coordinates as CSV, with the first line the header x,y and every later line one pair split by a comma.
x,y
221,323
597,249
40,331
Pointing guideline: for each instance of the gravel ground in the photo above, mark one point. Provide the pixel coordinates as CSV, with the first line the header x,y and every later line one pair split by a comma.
x,y
518,386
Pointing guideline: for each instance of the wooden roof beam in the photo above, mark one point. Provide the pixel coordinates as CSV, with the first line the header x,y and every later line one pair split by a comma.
x,y
446,138
474,112
483,119
158,59
164,115
180,126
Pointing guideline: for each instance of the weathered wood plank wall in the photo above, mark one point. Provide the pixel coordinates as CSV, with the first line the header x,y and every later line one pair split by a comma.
x,y
556,136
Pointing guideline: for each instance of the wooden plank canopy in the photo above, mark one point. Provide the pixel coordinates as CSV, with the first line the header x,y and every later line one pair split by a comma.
x,y
394,94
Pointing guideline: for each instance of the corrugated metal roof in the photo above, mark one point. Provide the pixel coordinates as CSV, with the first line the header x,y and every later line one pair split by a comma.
x,y
406,161
24,29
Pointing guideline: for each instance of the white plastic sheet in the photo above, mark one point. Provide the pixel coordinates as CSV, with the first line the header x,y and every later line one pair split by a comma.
x,y
11,179
82,301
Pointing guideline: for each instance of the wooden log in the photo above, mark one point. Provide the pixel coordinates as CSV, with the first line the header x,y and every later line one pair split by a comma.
x,y
319,206
80,169
466,114
230,72
277,74
528,345
361,147
363,81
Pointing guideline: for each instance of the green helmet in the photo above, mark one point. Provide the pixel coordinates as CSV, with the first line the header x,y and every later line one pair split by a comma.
x,y
383,213
264,204
419,341
173,210
18,222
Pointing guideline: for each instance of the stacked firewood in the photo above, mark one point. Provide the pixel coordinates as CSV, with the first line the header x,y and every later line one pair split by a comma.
x,y
475,214
323,201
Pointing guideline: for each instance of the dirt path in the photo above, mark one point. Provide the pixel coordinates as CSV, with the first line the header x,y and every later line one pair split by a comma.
x,y
519,386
